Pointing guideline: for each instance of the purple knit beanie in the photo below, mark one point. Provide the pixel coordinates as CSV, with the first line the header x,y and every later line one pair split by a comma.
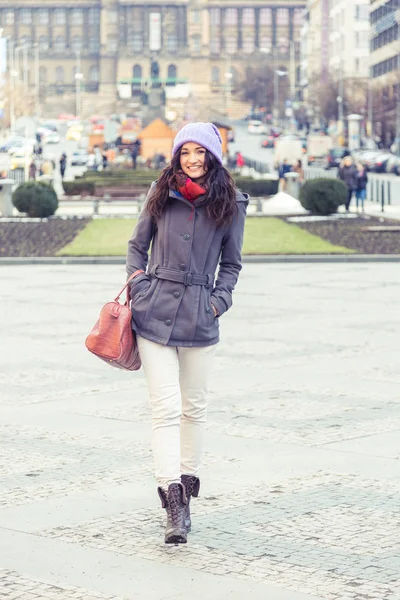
x,y
205,134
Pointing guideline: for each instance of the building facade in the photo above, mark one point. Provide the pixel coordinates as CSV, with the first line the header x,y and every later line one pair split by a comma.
x,y
349,38
385,68
205,44
314,47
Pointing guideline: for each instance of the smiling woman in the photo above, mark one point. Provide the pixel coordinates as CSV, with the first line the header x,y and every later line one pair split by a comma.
x,y
193,220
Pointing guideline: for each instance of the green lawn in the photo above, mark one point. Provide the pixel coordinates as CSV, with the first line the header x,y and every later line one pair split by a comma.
x,y
264,235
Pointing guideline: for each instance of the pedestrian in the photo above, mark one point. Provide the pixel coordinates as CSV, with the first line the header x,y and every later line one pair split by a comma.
x,y
348,174
105,160
193,218
240,162
134,155
362,180
32,170
63,164
283,169
298,168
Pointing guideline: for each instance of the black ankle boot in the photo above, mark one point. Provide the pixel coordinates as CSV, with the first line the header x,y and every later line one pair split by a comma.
x,y
192,487
174,501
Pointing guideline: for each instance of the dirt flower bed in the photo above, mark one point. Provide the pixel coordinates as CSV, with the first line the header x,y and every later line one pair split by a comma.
x,y
38,237
351,233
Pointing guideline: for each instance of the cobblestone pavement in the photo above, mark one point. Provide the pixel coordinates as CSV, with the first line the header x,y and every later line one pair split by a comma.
x,y
301,481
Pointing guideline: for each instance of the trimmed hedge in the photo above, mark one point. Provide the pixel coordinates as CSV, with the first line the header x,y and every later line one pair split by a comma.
x,y
323,196
257,187
78,187
36,199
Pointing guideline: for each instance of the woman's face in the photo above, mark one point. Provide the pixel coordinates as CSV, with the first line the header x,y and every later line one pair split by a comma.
x,y
193,160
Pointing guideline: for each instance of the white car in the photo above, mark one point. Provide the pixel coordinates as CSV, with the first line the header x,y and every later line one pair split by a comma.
x,y
52,138
256,127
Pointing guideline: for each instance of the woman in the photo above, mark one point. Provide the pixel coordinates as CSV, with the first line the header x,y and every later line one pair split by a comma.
x,y
348,174
298,168
362,180
193,218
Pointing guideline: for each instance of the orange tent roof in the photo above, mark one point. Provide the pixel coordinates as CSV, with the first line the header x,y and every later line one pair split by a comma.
x,y
157,129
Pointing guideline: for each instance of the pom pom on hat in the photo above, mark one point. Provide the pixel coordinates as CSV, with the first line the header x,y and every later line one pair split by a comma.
x,y
204,134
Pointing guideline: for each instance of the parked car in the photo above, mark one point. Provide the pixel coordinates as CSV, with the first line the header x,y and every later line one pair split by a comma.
x,y
19,160
79,158
377,162
256,127
268,142
393,165
335,156
11,142
52,138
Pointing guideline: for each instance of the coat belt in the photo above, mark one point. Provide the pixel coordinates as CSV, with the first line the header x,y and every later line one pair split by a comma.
x,y
187,278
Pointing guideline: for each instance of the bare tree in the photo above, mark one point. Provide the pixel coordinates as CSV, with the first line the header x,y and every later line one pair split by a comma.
x,y
258,87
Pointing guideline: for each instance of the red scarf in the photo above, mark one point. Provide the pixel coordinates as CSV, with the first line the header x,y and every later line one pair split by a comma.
x,y
187,187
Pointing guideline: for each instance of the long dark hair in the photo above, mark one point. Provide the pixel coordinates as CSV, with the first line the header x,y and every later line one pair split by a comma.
x,y
220,197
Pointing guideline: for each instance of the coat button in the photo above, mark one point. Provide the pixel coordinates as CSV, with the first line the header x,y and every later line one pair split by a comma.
x,y
186,236
182,267
168,322
176,294
208,310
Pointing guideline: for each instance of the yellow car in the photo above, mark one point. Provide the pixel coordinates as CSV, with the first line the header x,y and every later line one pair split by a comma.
x,y
74,134
19,160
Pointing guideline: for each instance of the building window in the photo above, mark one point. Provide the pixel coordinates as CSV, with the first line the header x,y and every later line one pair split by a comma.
x,y
9,17
25,16
76,16
172,74
215,75
298,17
42,74
266,44
112,45
137,72
283,45
231,45
362,12
172,42
196,43
59,16
215,45
59,44
94,45
25,41
43,43
248,45
43,16
94,16
248,16
282,16
76,43
265,16
196,16
113,16
136,43
94,74
230,16
59,75
215,16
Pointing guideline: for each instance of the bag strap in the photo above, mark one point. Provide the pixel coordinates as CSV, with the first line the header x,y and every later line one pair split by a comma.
x,y
135,274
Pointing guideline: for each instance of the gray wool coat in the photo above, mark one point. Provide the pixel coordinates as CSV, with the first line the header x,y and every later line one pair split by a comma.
x,y
171,302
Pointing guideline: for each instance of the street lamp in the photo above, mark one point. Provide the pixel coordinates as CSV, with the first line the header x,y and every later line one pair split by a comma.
x,y
78,80
277,73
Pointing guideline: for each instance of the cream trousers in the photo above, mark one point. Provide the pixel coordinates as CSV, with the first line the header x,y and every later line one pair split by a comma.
x,y
177,379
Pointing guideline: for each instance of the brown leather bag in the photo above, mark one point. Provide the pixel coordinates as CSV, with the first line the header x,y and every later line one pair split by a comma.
x,y
112,338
